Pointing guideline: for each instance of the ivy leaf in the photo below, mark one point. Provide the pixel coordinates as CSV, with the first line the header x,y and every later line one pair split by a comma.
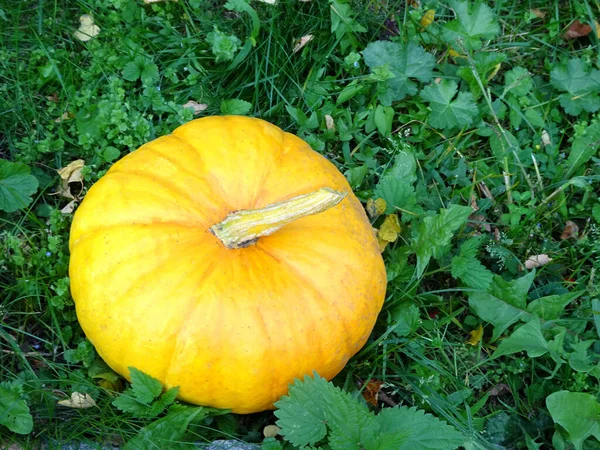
x,y
473,23
552,306
166,431
576,412
433,235
504,302
14,412
581,85
406,62
447,113
235,107
420,431
528,338
16,186
467,267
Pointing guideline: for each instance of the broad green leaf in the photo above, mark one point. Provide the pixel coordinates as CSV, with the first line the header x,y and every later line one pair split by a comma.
x,y
16,186
14,412
235,107
405,166
384,116
581,85
578,413
584,148
420,431
528,338
145,388
552,306
168,431
579,359
474,21
483,68
518,81
397,192
433,235
406,61
343,19
447,113
504,303
404,318
467,267
132,71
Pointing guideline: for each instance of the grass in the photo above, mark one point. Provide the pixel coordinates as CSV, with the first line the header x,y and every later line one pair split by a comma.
x,y
481,113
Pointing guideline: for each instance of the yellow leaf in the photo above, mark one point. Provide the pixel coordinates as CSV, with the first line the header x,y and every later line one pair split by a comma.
x,y
494,72
375,208
475,335
427,18
78,401
72,171
454,54
389,229
87,28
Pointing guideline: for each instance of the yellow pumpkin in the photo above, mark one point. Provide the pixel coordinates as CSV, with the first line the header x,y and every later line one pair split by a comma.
x,y
228,259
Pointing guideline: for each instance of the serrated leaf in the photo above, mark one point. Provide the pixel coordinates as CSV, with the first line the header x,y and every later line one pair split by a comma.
x,y
144,387
406,62
518,81
433,235
235,107
167,431
419,431
16,186
14,412
149,73
578,413
467,267
581,85
447,113
584,148
132,71
504,302
528,338
474,22
397,193
552,306
403,318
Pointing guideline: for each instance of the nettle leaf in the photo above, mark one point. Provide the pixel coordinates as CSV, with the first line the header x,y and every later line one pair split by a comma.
x,y
584,148
518,81
581,85
16,186
528,338
405,61
235,107
14,412
419,431
397,192
144,387
167,431
504,302
447,113
433,235
473,23
576,412
467,267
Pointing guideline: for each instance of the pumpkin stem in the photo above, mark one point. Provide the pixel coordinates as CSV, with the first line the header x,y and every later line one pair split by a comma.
x,y
243,228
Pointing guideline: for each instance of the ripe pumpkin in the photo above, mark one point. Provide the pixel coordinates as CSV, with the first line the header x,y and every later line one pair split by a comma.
x,y
233,310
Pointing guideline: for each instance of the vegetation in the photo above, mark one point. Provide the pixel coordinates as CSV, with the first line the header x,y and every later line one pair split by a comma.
x,y
469,130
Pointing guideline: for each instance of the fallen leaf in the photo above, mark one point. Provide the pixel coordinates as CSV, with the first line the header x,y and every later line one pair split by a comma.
x,y
475,335
69,207
87,28
53,98
538,13
371,391
64,116
196,107
269,2
571,230
427,18
473,202
537,261
271,431
329,123
72,172
388,231
375,208
78,401
545,138
499,389
415,3
577,30
302,42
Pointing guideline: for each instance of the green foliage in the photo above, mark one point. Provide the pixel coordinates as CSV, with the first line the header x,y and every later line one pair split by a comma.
x,y
14,412
316,410
581,86
467,268
16,186
447,113
474,22
577,413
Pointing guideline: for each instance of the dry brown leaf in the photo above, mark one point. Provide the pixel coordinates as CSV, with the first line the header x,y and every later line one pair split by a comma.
x,y
371,391
69,207
78,401
538,13
475,335
375,208
414,3
571,230
329,123
87,28
537,261
72,171
271,431
499,389
196,107
577,30
300,43
427,18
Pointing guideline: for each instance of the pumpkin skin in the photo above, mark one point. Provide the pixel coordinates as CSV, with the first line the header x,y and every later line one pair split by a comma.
x,y
154,289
